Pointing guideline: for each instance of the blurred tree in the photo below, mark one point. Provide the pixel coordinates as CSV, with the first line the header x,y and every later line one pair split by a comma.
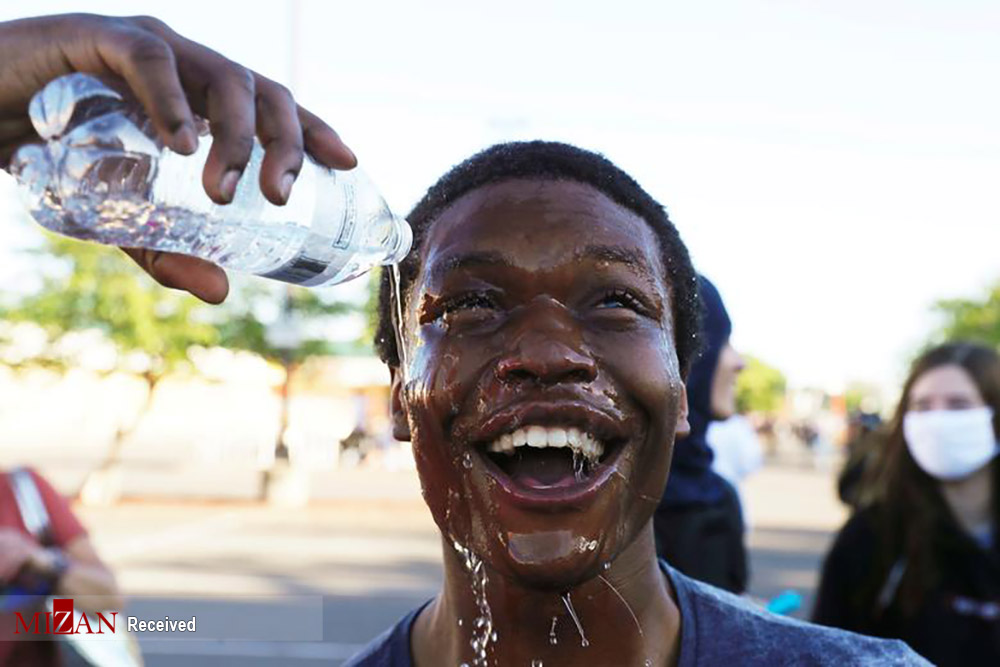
x,y
371,305
862,397
297,334
971,319
760,387
90,288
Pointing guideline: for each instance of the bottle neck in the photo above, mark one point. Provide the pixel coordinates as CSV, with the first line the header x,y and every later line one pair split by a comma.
x,y
404,240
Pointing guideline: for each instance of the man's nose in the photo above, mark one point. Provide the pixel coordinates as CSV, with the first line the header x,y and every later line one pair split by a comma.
x,y
550,354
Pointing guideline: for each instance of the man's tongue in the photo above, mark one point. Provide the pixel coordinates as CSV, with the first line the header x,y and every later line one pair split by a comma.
x,y
541,467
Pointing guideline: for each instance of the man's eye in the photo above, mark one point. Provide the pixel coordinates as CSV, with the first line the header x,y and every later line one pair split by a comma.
x,y
621,299
467,302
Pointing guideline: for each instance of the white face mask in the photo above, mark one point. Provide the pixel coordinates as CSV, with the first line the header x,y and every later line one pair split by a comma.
x,y
951,444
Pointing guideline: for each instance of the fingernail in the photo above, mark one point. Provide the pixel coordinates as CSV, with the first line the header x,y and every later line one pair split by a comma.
x,y
185,140
351,153
227,187
286,185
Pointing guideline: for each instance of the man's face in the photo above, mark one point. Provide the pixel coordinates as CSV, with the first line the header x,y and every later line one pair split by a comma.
x,y
543,391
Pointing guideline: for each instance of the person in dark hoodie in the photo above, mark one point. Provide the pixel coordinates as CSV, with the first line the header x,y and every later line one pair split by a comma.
x,y
698,524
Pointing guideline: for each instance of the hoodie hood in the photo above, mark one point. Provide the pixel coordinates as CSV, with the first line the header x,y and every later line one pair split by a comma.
x,y
692,480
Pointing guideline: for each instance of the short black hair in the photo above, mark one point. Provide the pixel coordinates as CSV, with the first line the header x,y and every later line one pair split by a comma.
x,y
549,161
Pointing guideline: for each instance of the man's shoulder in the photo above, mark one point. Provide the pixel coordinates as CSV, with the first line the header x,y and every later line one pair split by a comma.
x,y
389,649
730,628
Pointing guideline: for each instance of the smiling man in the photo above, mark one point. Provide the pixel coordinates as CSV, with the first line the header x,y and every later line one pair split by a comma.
x,y
549,317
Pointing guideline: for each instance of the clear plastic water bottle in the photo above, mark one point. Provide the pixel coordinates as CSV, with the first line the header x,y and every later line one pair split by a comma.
x,y
102,175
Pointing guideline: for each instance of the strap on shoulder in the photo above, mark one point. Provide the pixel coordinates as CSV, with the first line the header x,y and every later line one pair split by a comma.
x,y
888,592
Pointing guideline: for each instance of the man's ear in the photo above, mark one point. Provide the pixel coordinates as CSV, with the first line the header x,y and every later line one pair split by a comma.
x,y
683,428
397,411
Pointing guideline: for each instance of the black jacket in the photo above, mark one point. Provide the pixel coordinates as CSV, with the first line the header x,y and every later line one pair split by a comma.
x,y
698,523
705,542
958,622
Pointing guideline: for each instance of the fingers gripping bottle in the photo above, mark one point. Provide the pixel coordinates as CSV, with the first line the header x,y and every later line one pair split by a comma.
x,y
101,174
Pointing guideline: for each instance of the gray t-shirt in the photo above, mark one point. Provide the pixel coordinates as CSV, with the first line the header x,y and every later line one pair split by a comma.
x,y
717,628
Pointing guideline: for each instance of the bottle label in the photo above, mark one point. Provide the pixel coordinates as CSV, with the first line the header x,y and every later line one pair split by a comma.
x,y
301,270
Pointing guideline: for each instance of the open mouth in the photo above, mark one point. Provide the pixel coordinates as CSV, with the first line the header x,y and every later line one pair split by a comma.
x,y
536,457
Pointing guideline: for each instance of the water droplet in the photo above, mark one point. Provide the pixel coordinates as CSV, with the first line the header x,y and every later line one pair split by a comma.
x,y
483,632
635,619
461,622
536,663
467,460
396,283
606,566
572,614
553,640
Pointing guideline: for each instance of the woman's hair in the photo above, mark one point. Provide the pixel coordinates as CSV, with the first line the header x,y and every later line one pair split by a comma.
x,y
912,519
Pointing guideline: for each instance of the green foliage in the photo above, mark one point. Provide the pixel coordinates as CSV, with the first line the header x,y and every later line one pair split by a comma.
x,y
96,288
863,397
760,387
240,327
971,319
89,286
371,305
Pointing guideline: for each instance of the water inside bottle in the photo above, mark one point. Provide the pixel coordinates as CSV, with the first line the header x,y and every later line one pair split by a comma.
x,y
101,175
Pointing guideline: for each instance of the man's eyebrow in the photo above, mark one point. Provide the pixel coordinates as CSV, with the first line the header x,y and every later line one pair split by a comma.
x,y
468,260
618,254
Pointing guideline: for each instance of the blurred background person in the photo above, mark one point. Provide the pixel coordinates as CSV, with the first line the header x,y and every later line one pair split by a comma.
x,y
736,452
922,562
59,561
699,524
864,446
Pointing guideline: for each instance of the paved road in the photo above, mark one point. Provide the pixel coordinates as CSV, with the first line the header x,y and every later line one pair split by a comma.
x,y
309,586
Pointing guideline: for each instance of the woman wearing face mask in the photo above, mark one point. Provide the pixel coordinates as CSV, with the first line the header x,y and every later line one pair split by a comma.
x,y
922,562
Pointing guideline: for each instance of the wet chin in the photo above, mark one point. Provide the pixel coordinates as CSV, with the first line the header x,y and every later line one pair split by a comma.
x,y
560,550
550,561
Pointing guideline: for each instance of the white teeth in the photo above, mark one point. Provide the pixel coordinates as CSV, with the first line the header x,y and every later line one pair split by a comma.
x,y
537,436
557,437
540,436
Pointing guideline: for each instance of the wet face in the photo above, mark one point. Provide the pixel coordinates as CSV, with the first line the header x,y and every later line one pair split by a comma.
x,y
542,392
723,397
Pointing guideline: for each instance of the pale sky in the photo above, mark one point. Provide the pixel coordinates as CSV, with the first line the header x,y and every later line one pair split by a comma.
x,y
832,166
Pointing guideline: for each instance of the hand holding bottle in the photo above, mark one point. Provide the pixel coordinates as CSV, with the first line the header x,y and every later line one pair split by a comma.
x,y
174,79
